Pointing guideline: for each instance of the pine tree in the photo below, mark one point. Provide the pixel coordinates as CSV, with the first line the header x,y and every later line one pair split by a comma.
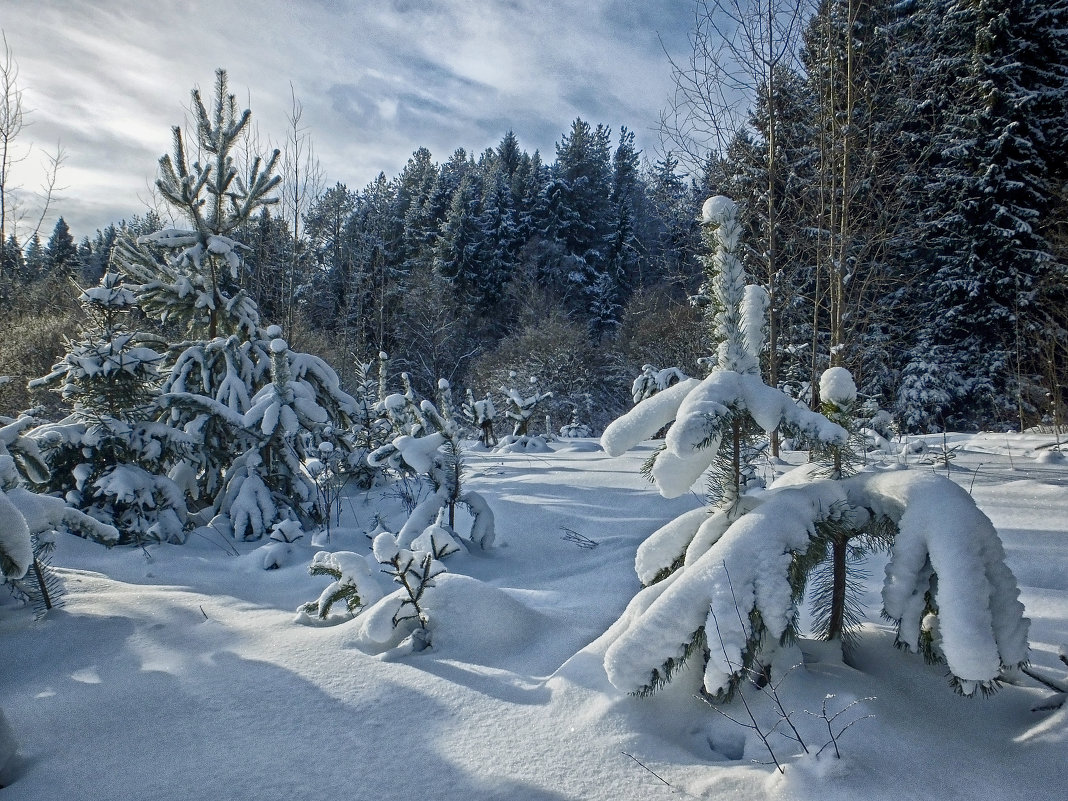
x,y
724,587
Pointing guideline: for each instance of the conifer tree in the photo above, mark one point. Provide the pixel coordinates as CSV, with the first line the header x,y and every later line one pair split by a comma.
x,y
244,471
724,587
109,457
430,445
61,253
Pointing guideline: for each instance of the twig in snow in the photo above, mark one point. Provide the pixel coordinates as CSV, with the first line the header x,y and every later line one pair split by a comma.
x,y
830,719
646,767
581,540
656,775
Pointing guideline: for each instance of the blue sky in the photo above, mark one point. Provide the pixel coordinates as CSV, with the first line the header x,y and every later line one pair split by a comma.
x,y
377,79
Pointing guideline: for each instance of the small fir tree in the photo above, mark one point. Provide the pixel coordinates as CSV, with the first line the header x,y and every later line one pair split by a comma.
x,y
480,415
434,451
106,458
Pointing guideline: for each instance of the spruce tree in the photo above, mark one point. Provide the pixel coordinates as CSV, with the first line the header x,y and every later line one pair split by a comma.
x,y
996,159
61,257
109,458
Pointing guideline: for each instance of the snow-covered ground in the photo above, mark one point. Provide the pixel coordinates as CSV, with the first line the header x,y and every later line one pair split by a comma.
x,y
179,672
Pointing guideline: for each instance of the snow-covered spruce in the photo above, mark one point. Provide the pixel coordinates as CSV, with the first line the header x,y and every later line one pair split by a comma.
x,y
291,417
25,515
726,586
109,456
522,405
480,415
255,408
653,380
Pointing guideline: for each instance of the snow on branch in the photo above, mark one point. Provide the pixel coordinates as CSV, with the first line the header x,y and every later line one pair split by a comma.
x,y
947,549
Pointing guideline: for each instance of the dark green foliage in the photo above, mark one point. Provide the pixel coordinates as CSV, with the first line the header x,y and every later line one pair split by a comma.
x,y
42,586
698,643
349,593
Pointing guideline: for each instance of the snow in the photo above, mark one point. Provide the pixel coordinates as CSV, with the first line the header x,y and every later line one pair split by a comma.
x,y
177,672
836,386
15,552
717,209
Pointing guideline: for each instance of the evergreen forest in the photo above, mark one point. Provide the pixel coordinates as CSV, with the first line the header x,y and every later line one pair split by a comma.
x,y
901,174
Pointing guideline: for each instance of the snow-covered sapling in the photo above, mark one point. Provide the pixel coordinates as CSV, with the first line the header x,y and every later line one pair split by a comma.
x,y
575,427
947,585
435,452
523,405
370,427
329,472
480,415
353,583
415,571
653,380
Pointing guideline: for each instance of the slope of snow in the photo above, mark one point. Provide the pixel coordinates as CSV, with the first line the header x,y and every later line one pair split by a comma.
x,y
179,672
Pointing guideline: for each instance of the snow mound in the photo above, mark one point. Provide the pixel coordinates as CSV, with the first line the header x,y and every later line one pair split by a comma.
x,y
523,444
837,386
470,622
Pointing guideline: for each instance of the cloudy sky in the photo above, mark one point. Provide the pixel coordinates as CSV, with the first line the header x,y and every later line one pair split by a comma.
x,y
377,79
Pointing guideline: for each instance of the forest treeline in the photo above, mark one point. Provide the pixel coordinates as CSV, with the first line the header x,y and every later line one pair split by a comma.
x,y
901,170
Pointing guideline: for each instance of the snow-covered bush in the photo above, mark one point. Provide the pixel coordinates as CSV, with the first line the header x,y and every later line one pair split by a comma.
x,y
739,573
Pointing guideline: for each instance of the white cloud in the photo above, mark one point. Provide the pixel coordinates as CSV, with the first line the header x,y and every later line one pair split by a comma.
x,y
376,79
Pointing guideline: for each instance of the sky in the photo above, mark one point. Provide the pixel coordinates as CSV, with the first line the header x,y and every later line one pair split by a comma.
x,y
377,79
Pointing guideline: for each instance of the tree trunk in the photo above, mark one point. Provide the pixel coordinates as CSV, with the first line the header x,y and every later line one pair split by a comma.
x,y
838,588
